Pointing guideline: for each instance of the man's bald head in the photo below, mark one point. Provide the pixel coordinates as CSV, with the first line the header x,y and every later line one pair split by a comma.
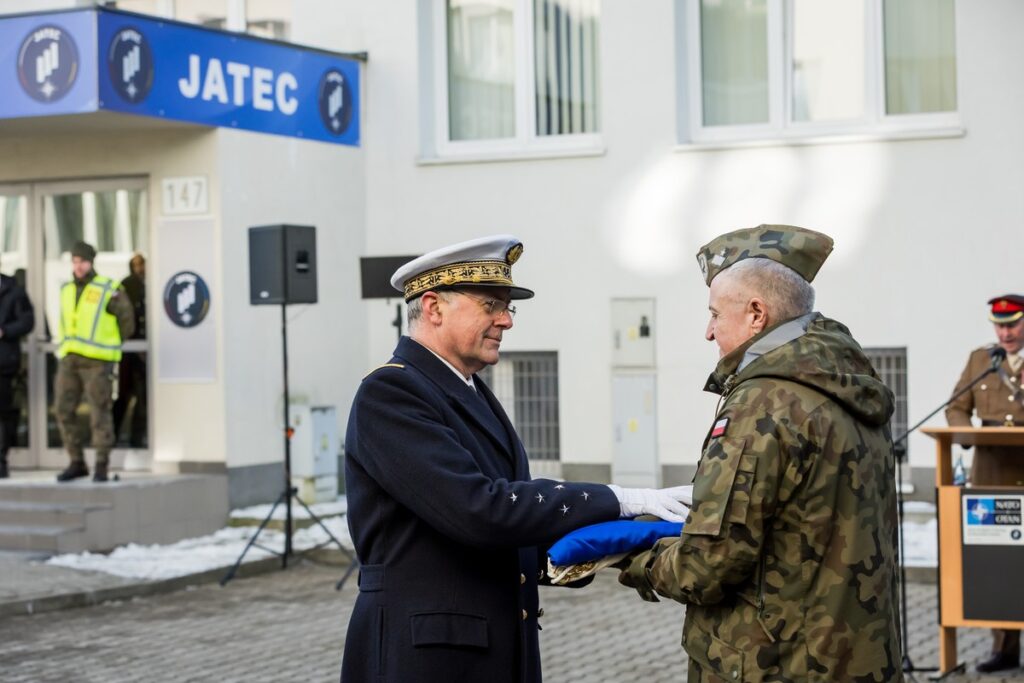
x,y
752,295
785,292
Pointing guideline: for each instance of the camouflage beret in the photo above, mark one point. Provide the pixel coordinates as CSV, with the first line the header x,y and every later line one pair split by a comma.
x,y
798,248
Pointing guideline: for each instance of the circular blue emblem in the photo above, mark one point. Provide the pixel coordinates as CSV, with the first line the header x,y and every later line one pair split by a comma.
x,y
335,101
130,62
47,63
1015,534
186,299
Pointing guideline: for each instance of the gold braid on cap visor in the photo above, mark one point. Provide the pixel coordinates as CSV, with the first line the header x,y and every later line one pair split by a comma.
x,y
470,273
1005,318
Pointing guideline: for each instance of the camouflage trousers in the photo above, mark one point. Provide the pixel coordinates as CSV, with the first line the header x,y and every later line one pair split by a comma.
x,y
78,375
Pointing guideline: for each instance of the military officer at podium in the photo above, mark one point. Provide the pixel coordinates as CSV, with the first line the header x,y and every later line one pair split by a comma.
x,y
445,517
997,400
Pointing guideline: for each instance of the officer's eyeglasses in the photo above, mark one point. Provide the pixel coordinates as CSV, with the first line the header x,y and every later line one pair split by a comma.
x,y
493,306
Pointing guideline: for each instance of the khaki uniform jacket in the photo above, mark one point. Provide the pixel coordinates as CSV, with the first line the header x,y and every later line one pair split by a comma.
x,y
994,399
786,562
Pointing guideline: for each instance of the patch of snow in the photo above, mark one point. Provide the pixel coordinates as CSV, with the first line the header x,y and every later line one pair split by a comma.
x,y
920,543
195,555
321,510
918,507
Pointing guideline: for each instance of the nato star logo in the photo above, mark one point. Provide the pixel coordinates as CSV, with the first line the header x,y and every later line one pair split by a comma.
x,y
979,511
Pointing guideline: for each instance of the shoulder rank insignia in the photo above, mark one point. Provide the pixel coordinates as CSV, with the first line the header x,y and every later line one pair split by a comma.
x,y
719,428
386,365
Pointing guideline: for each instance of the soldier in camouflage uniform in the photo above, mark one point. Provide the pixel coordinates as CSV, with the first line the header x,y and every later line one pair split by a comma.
x,y
786,563
95,317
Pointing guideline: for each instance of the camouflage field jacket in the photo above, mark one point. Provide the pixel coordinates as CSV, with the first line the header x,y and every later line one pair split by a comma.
x,y
786,563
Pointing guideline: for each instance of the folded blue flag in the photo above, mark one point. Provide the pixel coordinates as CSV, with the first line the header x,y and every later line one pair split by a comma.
x,y
609,538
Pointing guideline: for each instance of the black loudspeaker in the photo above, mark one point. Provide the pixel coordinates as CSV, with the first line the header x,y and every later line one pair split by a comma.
x,y
282,264
375,274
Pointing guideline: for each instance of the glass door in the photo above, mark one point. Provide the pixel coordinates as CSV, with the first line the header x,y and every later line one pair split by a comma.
x,y
113,216
15,216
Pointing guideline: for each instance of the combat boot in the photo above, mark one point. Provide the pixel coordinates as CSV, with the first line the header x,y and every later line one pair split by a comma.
x,y
999,661
76,469
101,472
4,473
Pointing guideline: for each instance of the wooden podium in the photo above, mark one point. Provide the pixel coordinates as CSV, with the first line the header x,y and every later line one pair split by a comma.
x,y
961,565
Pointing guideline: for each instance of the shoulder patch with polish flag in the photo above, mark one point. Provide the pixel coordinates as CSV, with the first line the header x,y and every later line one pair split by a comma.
x,y
719,428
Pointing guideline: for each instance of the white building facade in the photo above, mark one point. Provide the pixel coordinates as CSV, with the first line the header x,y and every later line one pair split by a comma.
x,y
614,138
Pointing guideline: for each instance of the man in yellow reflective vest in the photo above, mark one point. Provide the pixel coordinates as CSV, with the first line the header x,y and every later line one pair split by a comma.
x,y
95,316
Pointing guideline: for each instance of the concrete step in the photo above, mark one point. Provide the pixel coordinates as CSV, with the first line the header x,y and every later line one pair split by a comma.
x,y
80,491
140,508
32,513
57,538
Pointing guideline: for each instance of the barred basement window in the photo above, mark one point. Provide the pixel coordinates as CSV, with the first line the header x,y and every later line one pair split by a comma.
x,y
526,383
891,366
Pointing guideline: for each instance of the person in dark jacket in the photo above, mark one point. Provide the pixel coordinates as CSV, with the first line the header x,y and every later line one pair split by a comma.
x,y
16,320
447,523
131,372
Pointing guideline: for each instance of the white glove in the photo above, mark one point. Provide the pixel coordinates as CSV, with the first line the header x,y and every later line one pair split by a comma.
x,y
664,503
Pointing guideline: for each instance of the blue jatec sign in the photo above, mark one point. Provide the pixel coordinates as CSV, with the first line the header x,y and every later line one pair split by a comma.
x,y
85,61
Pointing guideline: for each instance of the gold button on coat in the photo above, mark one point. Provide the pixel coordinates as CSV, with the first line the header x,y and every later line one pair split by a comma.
x,y
522,579
524,615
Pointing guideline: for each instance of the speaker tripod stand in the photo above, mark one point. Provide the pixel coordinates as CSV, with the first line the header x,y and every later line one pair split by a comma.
x,y
289,492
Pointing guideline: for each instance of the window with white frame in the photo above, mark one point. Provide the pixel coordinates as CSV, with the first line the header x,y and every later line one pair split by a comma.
x,y
516,75
263,18
762,69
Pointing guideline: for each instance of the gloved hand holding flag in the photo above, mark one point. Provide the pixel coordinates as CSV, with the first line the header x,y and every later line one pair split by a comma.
x,y
584,551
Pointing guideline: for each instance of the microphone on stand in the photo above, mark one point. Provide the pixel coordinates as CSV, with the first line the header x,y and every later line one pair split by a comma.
x,y
997,354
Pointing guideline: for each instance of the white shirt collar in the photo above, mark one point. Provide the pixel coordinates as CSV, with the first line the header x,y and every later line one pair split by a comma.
x,y
468,381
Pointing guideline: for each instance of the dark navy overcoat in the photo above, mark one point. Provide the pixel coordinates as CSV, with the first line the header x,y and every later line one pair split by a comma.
x,y
447,526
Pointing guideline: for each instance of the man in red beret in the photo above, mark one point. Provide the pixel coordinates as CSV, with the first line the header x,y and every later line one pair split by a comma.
x,y
998,401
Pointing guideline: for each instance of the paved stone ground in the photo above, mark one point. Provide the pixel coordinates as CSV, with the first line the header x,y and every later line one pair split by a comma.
x,y
290,626
21,579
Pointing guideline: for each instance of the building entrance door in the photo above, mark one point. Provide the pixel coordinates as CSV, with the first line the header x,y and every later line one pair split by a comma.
x,y
39,222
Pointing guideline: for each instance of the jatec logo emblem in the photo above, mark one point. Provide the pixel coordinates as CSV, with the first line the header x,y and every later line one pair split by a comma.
x,y
186,299
47,63
130,62
335,99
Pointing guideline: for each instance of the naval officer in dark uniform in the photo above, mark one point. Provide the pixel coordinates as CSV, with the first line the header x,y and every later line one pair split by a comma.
x,y
449,528
998,401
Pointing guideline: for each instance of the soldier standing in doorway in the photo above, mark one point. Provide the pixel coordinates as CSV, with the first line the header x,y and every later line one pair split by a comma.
x,y
95,316
16,320
131,375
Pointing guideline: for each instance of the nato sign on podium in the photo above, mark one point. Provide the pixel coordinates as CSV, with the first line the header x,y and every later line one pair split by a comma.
x,y
981,549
